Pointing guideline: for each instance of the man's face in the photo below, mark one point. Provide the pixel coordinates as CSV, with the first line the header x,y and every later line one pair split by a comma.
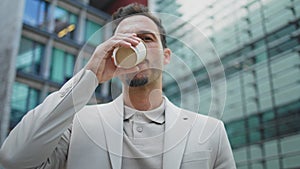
x,y
151,67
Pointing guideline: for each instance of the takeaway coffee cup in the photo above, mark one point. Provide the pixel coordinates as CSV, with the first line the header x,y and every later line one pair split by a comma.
x,y
129,57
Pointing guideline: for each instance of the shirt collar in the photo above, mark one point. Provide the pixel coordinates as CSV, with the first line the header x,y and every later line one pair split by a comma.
x,y
156,115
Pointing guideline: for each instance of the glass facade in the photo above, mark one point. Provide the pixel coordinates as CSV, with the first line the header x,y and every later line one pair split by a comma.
x,y
24,98
36,13
93,33
62,66
30,56
258,44
46,58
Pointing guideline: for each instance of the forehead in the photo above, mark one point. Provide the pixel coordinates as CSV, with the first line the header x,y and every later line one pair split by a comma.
x,y
136,24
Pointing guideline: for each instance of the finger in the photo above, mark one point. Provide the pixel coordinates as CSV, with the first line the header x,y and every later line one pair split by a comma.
x,y
131,38
126,35
118,41
132,41
112,44
122,43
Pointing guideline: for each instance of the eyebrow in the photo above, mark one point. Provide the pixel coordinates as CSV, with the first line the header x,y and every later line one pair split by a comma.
x,y
146,32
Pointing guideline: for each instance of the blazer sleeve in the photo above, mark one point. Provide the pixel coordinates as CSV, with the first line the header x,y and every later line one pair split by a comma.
x,y
225,157
41,132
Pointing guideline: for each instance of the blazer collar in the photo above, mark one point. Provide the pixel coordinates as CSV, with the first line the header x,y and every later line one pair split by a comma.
x,y
156,115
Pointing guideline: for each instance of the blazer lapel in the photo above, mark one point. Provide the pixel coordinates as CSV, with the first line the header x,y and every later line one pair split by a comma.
x,y
112,120
178,125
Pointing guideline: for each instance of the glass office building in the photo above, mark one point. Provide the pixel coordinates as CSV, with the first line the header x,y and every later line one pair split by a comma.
x,y
53,35
258,42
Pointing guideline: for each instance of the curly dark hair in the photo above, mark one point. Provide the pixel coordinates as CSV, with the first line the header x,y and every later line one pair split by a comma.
x,y
139,9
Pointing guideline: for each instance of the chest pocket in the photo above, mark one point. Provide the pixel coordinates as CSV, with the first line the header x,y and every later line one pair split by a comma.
x,y
196,160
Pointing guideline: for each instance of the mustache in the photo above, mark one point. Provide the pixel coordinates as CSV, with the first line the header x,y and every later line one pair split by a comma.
x,y
137,82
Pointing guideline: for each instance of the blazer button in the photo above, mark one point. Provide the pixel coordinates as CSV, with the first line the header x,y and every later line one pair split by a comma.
x,y
139,129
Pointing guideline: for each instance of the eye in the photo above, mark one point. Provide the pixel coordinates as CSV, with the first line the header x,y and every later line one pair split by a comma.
x,y
147,39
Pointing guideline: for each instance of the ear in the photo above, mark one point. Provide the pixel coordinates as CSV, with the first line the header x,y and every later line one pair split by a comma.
x,y
167,56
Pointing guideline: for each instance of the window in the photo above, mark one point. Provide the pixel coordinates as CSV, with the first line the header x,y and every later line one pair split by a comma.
x,y
265,126
261,57
30,56
24,98
254,129
171,89
232,69
282,32
287,45
230,58
36,13
62,65
93,33
236,133
65,23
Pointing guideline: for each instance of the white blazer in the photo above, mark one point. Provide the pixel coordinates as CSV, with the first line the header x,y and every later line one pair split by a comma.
x,y
63,132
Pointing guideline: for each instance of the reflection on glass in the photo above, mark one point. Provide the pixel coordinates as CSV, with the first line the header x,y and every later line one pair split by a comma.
x,y
36,13
65,23
62,65
93,35
24,98
30,56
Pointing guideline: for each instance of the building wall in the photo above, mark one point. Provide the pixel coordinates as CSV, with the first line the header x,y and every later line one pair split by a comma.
x,y
10,26
54,36
57,39
257,42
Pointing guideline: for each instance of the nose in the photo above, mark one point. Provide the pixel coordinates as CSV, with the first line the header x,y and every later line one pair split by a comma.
x,y
144,64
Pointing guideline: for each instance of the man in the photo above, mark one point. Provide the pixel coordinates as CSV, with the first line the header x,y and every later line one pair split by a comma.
x,y
140,129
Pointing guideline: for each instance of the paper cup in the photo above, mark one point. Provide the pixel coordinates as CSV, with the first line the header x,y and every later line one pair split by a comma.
x,y
129,57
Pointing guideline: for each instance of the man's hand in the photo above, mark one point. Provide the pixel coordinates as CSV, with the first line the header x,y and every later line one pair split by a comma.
x,y
101,62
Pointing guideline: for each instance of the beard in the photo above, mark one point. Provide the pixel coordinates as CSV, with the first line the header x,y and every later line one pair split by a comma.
x,y
142,78
137,82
